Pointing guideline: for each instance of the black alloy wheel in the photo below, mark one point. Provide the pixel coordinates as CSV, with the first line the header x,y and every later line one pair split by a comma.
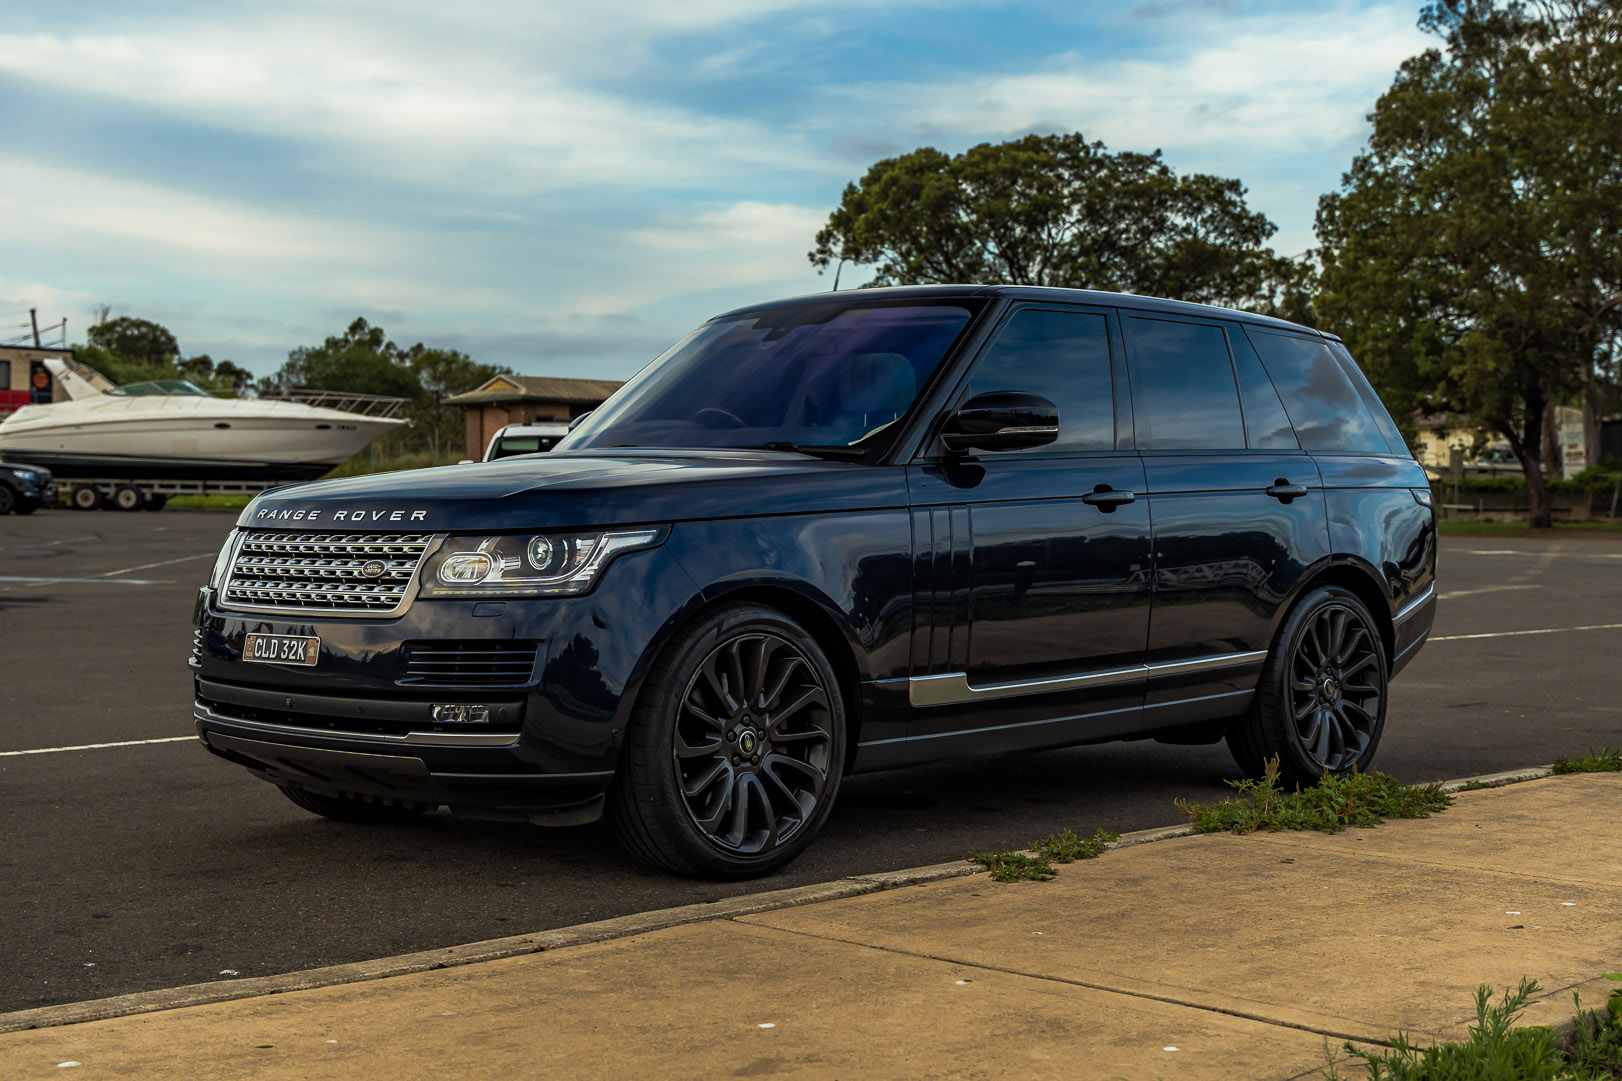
x,y
1321,700
1337,691
753,743
8,499
737,749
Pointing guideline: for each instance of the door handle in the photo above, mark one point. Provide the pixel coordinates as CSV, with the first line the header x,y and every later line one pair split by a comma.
x,y
1107,499
1283,490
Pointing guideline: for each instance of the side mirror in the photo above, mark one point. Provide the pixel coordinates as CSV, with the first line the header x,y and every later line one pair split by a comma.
x,y
1002,420
575,423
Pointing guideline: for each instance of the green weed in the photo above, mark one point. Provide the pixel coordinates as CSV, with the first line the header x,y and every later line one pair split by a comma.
x,y
1037,864
1331,805
1603,760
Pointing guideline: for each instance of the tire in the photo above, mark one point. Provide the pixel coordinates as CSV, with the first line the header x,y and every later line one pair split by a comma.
x,y
8,500
128,497
1320,705
354,808
86,497
714,784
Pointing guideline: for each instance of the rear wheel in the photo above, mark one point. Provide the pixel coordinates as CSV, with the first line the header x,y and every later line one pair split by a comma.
x,y
354,808
128,497
86,497
1320,705
736,750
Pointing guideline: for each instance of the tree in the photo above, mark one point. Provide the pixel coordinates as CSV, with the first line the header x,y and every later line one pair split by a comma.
x,y
442,373
362,360
1053,210
1473,256
138,341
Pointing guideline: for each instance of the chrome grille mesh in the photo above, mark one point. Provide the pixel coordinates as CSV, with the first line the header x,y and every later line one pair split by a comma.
x,y
310,572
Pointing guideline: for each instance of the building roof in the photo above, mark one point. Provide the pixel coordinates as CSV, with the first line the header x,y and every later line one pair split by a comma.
x,y
536,388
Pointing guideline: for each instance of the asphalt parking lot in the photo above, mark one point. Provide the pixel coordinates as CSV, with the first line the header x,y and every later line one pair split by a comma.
x,y
130,859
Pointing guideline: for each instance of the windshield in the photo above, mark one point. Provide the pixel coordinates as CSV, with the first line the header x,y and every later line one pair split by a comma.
x,y
509,445
834,374
169,387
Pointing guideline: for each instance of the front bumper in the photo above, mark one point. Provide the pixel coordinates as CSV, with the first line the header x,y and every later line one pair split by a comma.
x,y
360,721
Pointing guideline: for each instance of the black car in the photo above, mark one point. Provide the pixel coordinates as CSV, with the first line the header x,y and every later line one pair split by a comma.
x,y
844,532
23,488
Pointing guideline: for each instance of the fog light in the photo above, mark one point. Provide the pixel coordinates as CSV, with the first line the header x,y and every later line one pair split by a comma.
x,y
461,713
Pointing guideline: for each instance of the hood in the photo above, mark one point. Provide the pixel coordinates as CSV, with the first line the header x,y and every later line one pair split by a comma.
x,y
581,489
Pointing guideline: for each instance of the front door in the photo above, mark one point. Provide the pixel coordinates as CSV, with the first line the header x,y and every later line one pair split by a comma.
x,y
1032,572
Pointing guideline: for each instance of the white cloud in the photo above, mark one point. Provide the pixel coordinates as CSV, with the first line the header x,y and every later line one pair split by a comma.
x,y
45,205
1262,84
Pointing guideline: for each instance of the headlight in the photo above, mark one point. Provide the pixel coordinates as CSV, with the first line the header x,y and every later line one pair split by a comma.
x,y
547,565
27,475
222,562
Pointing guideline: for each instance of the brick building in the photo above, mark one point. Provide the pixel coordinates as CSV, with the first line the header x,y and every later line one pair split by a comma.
x,y
23,378
519,399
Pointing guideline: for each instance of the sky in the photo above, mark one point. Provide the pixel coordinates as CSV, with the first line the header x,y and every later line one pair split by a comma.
x,y
567,188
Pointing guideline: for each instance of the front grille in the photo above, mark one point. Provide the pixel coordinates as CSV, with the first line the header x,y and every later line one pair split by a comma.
x,y
469,663
322,572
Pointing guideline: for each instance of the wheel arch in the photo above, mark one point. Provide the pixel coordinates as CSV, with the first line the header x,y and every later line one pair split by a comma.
x,y
1360,579
818,616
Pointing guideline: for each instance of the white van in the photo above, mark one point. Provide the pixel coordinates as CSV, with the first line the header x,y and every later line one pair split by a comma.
x,y
525,439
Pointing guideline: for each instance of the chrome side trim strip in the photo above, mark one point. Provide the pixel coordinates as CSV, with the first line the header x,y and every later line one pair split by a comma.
x,y
201,712
1407,611
954,688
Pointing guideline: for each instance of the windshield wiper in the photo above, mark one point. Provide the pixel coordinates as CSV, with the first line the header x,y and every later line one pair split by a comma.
x,y
817,450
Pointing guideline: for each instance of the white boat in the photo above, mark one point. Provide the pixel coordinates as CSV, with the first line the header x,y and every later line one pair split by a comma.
x,y
173,429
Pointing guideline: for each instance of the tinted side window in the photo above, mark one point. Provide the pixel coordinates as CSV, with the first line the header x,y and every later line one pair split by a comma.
x,y
1183,392
1064,357
1267,426
1326,409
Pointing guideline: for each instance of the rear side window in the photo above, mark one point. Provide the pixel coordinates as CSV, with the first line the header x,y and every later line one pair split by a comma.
x,y
1326,409
1183,392
1267,426
1064,357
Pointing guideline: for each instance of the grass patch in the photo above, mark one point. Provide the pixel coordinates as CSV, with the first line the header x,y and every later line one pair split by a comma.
x,y
1603,760
1521,529
1471,786
1037,864
1497,1048
207,502
1355,799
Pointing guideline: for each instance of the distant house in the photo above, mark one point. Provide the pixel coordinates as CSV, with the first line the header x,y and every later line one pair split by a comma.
x,y
24,378
520,399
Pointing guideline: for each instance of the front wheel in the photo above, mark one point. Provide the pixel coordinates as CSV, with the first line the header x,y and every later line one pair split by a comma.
x,y
8,500
1320,704
736,749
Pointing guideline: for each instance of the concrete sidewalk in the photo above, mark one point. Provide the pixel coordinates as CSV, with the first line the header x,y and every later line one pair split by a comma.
x,y
1201,957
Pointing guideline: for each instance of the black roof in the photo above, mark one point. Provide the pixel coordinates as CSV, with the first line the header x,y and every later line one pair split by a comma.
x,y
1038,292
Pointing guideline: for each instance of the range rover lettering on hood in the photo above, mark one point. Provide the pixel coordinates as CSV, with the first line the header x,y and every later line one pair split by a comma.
x,y
305,514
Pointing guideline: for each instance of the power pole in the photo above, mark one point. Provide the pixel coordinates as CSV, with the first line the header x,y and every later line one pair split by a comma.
x,y
33,317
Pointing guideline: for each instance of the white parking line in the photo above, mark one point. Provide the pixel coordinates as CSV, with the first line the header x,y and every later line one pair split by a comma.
x,y
98,746
1541,630
159,563
1484,589
94,581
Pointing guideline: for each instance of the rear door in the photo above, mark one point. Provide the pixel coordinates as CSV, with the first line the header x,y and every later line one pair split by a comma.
x,y
1032,574
1238,512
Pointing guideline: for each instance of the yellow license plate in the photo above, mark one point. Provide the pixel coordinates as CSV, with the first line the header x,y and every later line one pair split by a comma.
x,y
281,649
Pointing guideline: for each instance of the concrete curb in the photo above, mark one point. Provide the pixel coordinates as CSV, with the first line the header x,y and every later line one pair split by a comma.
x,y
199,994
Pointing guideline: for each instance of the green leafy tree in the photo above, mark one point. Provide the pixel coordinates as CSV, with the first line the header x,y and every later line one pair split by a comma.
x,y
1054,210
442,373
137,341
361,360
1473,256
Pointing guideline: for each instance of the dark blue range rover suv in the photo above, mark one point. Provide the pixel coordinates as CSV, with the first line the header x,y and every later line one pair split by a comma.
x,y
843,532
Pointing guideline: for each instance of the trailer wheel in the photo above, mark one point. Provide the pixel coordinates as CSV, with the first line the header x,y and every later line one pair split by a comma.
x,y
156,502
86,497
128,497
